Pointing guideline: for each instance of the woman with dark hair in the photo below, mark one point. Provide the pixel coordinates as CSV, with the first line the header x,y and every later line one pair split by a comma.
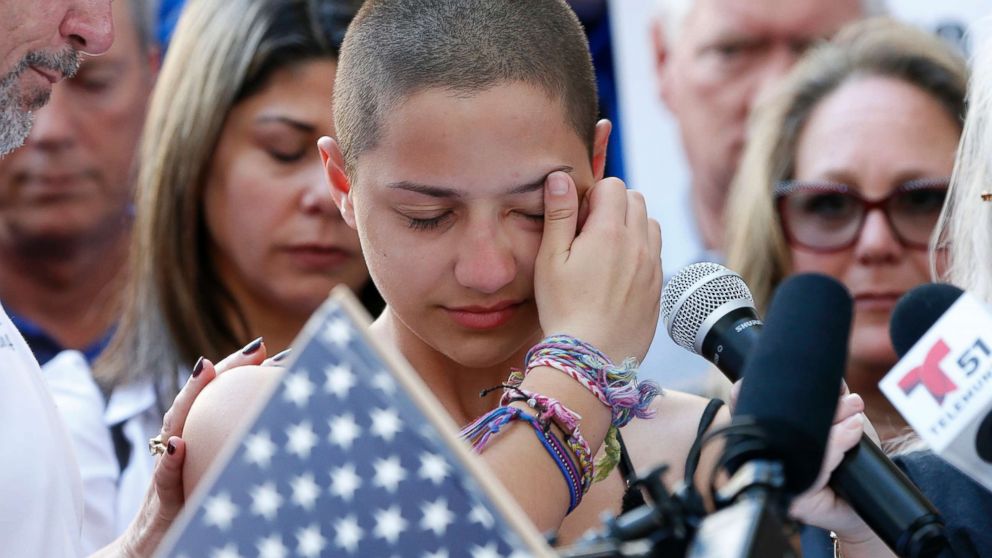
x,y
235,234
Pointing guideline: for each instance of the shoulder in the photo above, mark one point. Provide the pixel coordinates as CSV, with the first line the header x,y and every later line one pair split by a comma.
x,y
668,436
219,412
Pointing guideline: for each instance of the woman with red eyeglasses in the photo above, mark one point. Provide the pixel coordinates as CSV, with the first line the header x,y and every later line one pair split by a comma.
x,y
845,173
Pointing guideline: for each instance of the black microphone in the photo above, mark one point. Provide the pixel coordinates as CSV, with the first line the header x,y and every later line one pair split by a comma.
x,y
706,306
792,378
917,311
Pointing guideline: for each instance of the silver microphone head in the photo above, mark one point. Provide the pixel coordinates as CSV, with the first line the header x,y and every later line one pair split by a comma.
x,y
696,298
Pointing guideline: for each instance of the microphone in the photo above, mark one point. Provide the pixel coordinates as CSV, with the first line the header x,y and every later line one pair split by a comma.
x,y
776,442
709,310
942,385
792,379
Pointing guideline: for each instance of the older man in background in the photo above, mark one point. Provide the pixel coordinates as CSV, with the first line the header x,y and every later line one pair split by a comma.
x,y
66,195
714,59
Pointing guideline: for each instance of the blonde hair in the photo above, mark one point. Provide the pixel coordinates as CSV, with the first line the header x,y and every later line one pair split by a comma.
x,y
965,226
756,245
176,307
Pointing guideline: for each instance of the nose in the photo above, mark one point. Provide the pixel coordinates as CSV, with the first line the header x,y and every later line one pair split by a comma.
x,y
316,197
877,242
88,26
486,262
54,124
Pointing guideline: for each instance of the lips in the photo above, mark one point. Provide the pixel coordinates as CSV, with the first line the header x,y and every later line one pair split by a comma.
x,y
484,317
52,76
876,301
318,256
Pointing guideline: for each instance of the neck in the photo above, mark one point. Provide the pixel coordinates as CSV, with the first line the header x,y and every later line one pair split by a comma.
x,y
707,207
72,292
273,324
883,416
455,385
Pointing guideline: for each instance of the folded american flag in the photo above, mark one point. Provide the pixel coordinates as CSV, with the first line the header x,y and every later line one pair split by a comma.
x,y
348,458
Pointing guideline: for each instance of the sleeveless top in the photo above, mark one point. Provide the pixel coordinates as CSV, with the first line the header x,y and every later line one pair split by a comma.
x,y
632,496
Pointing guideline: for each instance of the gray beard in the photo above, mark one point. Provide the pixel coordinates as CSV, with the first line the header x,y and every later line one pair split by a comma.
x,y
15,123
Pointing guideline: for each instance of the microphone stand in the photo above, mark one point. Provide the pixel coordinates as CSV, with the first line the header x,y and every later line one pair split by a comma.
x,y
755,523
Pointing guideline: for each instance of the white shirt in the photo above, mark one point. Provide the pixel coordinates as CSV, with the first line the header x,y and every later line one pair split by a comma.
x,y
112,497
41,498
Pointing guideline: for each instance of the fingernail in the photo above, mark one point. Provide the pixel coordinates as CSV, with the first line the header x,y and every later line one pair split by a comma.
x,y
252,347
281,356
557,184
171,448
198,367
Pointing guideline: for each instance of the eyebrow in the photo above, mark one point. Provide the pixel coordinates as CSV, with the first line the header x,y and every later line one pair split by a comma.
x,y
301,126
444,192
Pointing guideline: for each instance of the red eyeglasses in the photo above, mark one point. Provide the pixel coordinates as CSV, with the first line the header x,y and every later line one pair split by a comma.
x,y
828,217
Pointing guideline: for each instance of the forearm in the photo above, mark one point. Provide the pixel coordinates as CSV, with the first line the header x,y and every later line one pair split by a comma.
x,y
522,464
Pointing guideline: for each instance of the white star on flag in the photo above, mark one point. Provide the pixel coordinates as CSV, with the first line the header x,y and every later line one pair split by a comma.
x,y
340,380
383,382
265,500
220,511
298,389
311,541
481,516
433,468
385,423
337,332
344,482
227,551
272,547
347,533
388,473
259,449
344,431
488,551
305,491
436,517
389,524
301,439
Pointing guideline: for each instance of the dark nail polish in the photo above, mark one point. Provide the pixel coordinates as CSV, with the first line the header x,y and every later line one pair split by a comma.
x,y
198,367
171,448
282,356
252,347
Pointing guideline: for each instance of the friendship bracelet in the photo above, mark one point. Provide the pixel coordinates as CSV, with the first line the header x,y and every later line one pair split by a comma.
x,y
481,432
615,386
552,411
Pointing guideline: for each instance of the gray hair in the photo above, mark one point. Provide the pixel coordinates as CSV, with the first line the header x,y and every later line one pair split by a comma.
x,y
672,13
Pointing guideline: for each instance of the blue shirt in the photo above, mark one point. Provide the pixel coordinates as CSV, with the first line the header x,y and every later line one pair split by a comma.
x,y
45,347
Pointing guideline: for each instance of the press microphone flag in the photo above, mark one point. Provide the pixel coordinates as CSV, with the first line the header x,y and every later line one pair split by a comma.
x,y
943,385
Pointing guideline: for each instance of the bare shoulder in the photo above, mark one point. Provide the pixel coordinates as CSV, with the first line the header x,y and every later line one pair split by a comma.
x,y
668,436
218,412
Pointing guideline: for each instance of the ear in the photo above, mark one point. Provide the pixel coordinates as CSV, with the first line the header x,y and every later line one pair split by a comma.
x,y
600,141
333,162
659,43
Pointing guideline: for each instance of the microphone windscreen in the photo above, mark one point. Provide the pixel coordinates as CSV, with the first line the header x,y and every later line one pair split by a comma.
x,y
917,311
793,376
